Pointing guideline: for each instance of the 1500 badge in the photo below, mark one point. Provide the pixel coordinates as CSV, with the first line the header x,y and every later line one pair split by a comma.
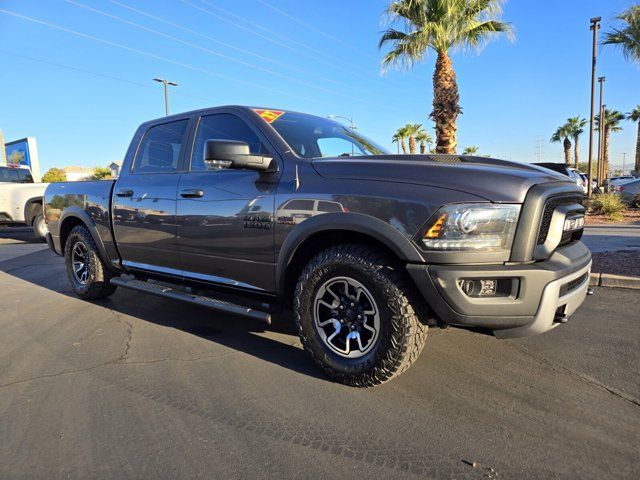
x,y
258,221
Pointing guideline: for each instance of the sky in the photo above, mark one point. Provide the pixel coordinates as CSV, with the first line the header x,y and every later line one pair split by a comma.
x,y
77,74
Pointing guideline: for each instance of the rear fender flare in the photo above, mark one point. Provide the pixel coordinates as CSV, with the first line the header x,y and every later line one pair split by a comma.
x,y
79,214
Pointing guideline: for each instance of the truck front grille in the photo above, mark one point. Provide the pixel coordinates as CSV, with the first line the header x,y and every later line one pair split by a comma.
x,y
545,221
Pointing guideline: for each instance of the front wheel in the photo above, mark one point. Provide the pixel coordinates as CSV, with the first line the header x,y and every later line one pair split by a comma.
x,y
356,315
88,274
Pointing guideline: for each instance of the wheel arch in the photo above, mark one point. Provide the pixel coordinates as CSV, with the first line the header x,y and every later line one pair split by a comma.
x,y
29,205
323,231
73,216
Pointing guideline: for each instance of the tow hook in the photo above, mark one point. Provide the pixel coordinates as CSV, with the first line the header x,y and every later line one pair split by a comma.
x,y
590,291
561,318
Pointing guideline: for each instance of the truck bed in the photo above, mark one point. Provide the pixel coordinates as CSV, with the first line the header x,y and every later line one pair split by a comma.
x,y
90,201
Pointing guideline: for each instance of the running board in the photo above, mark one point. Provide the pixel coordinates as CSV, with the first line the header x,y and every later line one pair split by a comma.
x,y
214,304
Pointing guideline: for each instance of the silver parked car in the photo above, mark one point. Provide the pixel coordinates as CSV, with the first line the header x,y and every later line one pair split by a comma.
x,y
628,191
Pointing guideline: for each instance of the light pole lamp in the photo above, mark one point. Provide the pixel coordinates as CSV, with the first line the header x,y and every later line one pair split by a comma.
x,y
352,126
166,84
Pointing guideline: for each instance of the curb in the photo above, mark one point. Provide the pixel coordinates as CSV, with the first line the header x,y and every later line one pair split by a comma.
x,y
615,281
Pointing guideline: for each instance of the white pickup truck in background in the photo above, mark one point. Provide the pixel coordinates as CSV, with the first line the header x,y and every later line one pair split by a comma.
x,y
21,199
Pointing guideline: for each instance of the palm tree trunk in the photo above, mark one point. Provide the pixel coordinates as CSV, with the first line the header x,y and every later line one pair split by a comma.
x,y
567,151
638,151
412,145
404,147
605,153
423,147
445,104
576,160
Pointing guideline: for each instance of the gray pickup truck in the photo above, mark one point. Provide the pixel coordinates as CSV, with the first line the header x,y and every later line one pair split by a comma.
x,y
251,210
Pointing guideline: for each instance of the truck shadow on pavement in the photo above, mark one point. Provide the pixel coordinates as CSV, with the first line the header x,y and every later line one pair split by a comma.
x,y
46,270
18,234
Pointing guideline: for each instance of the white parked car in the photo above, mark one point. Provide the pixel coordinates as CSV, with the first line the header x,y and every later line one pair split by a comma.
x,y
21,199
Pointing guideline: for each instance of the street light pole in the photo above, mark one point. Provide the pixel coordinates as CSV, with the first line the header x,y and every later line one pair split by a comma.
x,y
166,83
352,127
595,25
624,159
600,132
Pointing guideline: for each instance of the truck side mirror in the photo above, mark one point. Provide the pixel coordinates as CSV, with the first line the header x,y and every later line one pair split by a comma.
x,y
235,154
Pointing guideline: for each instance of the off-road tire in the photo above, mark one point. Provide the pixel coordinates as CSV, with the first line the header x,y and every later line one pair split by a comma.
x,y
39,227
98,275
402,334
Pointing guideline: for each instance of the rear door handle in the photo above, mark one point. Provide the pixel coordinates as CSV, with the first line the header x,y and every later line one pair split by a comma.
x,y
192,193
124,193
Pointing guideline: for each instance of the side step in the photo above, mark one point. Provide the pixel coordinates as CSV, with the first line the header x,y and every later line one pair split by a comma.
x,y
168,292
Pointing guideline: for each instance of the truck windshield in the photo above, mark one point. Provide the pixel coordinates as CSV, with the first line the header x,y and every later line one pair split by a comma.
x,y
312,137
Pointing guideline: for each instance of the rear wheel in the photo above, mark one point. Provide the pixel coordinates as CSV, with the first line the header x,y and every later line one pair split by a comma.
x,y
39,227
87,273
356,315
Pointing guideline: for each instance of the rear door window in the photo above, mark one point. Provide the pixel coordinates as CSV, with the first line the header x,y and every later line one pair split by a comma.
x,y
159,151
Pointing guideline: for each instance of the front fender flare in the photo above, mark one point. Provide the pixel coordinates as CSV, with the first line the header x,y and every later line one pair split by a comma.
x,y
350,222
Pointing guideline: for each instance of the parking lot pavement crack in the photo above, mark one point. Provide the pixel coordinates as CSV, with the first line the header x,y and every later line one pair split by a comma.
x,y
54,375
129,337
585,378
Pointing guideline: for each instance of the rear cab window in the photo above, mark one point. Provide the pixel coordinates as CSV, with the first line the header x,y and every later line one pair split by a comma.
x,y
159,150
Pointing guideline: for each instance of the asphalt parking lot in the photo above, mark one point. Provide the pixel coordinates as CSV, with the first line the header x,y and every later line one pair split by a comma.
x,y
140,387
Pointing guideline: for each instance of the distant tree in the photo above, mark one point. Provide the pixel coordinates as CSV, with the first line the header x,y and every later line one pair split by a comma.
x,y
441,26
100,173
54,175
413,129
400,136
425,141
575,126
634,116
472,150
562,134
628,36
612,119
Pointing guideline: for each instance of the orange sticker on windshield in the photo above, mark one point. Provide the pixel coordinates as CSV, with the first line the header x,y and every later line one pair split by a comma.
x,y
269,116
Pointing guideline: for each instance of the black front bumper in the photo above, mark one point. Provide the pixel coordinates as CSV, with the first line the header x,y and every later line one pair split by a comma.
x,y
542,289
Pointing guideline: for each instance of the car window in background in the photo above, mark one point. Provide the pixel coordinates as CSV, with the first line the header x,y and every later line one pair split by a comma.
x,y
9,175
25,176
223,126
159,150
329,207
312,137
305,205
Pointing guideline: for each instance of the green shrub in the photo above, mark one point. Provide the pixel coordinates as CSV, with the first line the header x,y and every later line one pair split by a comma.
x,y
608,204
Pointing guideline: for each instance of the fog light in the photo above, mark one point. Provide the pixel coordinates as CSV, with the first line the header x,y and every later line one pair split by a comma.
x,y
479,288
487,287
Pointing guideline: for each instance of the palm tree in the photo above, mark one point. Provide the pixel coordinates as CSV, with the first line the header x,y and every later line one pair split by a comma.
x,y
440,25
425,141
472,150
562,134
400,136
612,119
634,116
413,129
627,37
576,128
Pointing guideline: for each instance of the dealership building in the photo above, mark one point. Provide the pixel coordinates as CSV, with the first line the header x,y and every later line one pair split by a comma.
x,y
24,153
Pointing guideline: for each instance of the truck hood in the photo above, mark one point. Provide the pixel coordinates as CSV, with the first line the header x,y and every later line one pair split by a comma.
x,y
492,179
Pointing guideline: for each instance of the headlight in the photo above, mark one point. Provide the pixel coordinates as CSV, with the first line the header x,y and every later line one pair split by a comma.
x,y
470,227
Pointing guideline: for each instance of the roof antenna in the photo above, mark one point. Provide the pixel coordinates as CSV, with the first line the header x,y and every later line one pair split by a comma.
x,y
296,180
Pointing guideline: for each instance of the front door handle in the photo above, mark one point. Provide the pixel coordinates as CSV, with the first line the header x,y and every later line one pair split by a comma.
x,y
192,193
124,193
